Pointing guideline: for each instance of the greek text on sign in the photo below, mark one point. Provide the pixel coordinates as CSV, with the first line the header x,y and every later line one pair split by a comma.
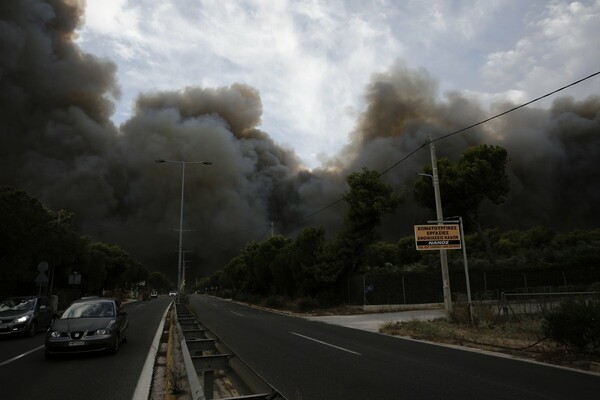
x,y
437,237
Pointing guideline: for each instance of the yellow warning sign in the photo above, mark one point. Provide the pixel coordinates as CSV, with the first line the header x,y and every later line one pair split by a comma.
x,y
437,237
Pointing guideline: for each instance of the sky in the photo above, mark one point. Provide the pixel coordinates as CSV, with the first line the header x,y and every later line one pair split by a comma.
x,y
311,60
287,99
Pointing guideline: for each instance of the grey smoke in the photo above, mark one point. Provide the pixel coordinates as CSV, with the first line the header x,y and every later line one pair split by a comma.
x,y
57,142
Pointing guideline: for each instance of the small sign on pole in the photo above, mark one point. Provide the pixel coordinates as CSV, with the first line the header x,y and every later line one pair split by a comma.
x,y
437,237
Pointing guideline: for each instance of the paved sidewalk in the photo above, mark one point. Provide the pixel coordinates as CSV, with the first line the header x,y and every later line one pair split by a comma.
x,y
372,322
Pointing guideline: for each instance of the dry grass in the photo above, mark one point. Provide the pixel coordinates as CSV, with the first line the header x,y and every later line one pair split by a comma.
x,y
519,336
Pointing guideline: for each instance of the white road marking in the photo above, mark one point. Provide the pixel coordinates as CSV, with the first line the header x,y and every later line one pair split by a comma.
x,y
21,355
238,314
326,344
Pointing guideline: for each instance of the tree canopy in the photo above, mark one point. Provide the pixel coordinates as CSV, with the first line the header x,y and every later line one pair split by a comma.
x,y
478,175
31,233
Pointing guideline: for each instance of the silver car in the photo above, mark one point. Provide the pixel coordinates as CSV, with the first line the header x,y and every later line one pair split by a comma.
x,y
25,315
88,325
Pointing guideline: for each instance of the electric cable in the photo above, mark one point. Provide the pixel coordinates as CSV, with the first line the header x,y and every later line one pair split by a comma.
x,y
453,134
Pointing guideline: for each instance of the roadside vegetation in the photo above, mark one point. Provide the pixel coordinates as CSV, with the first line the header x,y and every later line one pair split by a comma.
x,y
31,233
566,335
313,271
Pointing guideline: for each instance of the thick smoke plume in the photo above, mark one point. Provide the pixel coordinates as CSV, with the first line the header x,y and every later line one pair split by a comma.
x,y
57,142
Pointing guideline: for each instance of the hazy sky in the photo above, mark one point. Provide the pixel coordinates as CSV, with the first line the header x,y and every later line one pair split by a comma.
x,y
311,60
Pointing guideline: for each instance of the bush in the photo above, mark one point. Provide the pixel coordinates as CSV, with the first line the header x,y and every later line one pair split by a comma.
x,y
275,302
460,312
327,299
306,304
247,298
575,323
594,287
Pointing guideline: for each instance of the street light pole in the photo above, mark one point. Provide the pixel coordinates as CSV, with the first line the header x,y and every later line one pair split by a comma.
x,y
180,230
466,265
179,264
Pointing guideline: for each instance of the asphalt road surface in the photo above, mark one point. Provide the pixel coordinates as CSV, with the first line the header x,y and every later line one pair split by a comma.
x,y
310,360
25,374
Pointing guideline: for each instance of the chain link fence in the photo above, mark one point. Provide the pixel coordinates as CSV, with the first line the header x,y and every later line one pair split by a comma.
x,y
417,288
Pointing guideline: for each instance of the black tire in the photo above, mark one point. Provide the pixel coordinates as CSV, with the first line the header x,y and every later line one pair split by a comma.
x,y
32,329
115,348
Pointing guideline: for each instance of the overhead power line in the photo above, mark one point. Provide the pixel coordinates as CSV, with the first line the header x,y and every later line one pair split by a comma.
x,y
517,107
453,134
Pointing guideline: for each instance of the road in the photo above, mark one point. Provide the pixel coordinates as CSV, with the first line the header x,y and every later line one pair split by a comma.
x,y
313,360
25,374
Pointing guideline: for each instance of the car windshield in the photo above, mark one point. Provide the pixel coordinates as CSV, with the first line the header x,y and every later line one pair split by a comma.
x,y
90,310
17,304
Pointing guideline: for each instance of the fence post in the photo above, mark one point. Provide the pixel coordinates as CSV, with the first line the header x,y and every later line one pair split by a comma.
x,y
504,303
364,290
484,283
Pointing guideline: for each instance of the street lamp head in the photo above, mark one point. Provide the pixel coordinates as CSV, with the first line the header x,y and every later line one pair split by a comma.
x,y
207,163
159,161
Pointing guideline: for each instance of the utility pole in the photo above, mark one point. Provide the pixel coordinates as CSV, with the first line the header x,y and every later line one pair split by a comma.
x,y
183,261
440,221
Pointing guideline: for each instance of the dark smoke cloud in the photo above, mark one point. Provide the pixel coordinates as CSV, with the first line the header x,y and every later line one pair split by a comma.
x,y
553,152
57,142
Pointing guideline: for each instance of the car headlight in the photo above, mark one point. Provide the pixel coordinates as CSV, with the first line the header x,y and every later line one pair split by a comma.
x,y
55,334
22,319
103,331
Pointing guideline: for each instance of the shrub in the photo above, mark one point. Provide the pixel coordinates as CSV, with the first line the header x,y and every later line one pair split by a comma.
x,y
306,304
247,298
327,299
460,312
274,302
575,323
595,287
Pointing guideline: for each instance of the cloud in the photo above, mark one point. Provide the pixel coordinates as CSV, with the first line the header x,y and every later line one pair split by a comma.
x,y
289,51
58,142
557,47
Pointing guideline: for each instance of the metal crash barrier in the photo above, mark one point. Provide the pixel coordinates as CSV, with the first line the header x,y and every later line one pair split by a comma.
x,y
210,361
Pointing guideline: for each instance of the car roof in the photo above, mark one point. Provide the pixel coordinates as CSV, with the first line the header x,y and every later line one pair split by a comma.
x,y
93,299
23,297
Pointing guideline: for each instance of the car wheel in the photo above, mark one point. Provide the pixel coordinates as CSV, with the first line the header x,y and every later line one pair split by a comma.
x,y
32,330
115,348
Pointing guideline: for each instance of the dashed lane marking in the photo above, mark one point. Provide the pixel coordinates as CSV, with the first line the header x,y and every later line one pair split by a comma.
x,y
326,344
21,355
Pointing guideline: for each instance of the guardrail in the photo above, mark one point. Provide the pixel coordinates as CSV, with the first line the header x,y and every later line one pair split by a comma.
x,y
209,360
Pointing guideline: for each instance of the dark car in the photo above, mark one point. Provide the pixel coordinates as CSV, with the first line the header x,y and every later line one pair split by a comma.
x,y
25,315
88,325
